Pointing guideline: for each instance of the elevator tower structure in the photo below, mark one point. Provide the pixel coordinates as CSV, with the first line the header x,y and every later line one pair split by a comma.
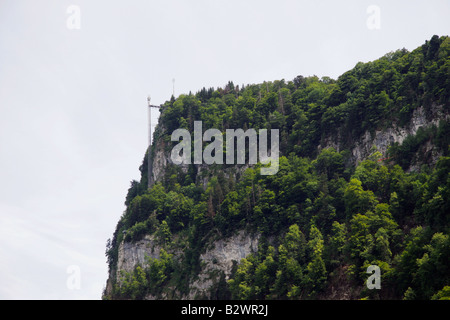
x,y
149,151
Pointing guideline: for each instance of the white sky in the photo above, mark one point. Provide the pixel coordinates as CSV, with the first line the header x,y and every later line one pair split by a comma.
x,y
73,117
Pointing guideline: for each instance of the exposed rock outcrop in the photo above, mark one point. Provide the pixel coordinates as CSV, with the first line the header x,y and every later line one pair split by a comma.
x,y
219,259
216,261
381,139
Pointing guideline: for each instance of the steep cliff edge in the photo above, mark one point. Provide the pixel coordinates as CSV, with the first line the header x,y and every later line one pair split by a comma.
x,y
219,256
362,181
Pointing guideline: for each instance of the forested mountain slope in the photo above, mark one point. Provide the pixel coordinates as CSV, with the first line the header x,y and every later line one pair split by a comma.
x,y
363,179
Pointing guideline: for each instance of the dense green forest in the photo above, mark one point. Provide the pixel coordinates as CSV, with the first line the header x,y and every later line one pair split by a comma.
x,y
322,219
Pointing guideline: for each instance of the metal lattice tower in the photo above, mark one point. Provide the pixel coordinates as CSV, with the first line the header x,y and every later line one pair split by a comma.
x,y
149,154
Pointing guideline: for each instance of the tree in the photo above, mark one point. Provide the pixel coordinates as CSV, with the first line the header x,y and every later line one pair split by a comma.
x,y
134,285
443,294
265,274
370,235
295,243
159,270
434,201
163,233
133,191
407,260
337,240
289,275
433,270
330,163
240,285
291,255
357,200
374,176
316,273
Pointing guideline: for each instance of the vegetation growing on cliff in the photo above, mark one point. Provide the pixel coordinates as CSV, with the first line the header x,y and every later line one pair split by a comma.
x,y
320,214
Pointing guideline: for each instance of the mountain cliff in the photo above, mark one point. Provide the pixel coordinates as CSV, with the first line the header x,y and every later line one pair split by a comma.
x,y
362,179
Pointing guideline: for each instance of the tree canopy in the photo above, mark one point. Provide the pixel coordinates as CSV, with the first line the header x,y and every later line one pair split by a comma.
x,y
327,219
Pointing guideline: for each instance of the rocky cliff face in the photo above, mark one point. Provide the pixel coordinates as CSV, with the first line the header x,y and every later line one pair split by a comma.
x,y
381,139
362,148
132,254
217,258
216,261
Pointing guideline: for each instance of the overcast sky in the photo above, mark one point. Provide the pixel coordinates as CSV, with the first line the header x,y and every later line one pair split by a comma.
x,y
73,90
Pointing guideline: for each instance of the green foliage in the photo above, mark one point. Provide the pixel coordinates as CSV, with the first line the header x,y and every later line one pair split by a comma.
x,y
133,285
443,294
433,268
357,200
146,280
322,214
159,270
163,233
316,273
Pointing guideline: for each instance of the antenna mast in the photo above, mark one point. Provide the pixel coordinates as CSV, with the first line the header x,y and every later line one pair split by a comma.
x,y
149,154
173,87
